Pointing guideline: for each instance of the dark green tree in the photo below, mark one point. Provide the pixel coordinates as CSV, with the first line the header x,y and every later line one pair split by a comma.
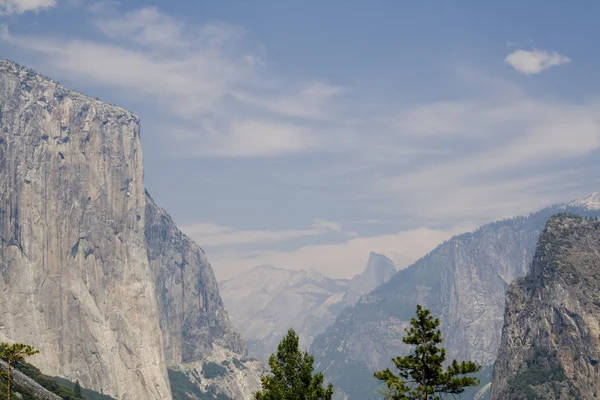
x,y
77,390
12,353
292,375
422,375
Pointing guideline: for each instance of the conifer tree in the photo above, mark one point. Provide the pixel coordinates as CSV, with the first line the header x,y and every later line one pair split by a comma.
x,y
77,390
292,375
14,353
422,376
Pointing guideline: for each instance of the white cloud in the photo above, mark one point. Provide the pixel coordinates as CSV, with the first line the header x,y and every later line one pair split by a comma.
x,y
8,7
535,61
213,235
342,260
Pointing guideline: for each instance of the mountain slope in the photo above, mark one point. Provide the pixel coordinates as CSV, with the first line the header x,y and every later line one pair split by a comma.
x,y
75,280
551,338
463,281
266,301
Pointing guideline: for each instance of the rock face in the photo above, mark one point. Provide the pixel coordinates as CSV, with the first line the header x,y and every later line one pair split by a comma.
x,y
191,313
196,330
75,280
551,338
463,281
266,301
379,270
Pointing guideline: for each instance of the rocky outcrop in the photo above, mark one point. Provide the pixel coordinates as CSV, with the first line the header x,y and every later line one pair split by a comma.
x,y
266,301
191,313
551,338
223,374
379,270
463,281
75,280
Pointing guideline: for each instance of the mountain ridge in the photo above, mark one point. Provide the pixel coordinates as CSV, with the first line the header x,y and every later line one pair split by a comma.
x,y
265,301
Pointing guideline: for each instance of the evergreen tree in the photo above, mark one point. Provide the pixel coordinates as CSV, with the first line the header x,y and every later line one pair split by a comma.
x,y
14,353
77,390
292,375
422,375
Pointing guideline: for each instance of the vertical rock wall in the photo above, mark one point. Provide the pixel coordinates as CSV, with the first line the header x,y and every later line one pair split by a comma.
x,y
75,280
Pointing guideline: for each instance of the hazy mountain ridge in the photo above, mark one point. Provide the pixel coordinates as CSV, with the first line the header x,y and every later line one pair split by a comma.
x,y
463,281
550,345
266,301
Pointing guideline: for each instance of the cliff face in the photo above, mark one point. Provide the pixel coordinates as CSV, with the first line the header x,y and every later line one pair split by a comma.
x,y
191,313
75,280
551,338
266,301
197,333
463,281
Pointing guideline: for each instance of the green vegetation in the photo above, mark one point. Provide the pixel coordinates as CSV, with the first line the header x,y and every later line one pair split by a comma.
x,y
421,374
543,367
12,354
59,386
213,370
292,375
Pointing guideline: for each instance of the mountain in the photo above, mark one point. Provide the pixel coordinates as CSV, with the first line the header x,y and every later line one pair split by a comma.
x,y
266,301
92,271
463,281
551,338
379,270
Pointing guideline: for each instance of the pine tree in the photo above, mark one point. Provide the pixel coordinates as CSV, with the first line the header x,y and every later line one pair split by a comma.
x,y
421,374
292,375
77,390
14,353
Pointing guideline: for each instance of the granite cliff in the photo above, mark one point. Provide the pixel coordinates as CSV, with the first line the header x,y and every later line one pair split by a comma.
x,y
266,301
551,338
75,278
463,281
195,327
92,271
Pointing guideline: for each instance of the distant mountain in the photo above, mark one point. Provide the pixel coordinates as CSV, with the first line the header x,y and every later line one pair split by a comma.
x,y
550,345
265,302
463,281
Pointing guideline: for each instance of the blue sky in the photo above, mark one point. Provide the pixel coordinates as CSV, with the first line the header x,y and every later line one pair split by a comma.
x,y
306,134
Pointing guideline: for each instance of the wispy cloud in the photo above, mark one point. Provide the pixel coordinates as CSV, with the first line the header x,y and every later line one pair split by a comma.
x,y
344,259
9,7
535,61
214,235
203,74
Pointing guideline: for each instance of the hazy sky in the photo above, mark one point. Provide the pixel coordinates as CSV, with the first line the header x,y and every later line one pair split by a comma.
x,y
305,134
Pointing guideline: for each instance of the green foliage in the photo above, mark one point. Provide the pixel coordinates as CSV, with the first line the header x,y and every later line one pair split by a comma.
x,y
13,353
58,386
292,375
421,374
77,390
213,370
542,367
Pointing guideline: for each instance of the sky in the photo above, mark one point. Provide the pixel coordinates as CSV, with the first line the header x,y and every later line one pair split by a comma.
x,y
305,134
